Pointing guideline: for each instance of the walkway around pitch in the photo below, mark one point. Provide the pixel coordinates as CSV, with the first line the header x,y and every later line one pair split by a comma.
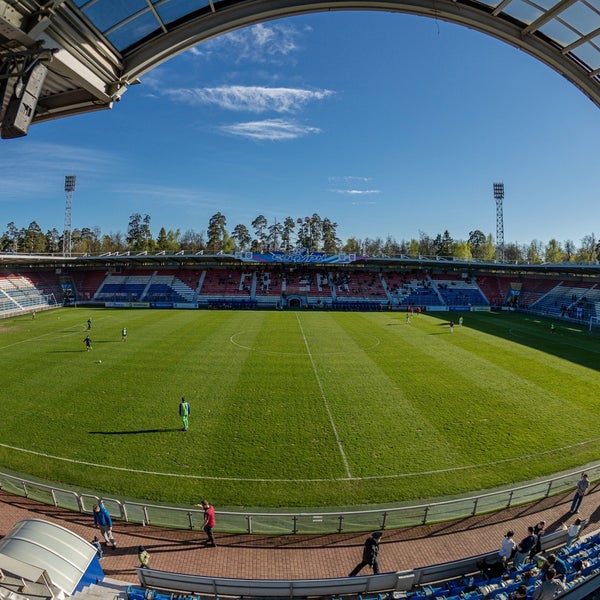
x,y
302,556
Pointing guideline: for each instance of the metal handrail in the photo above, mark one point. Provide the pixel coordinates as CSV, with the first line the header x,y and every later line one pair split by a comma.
x,y
298,522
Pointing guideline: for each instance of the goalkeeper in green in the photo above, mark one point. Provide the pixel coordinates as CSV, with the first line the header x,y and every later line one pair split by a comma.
x,y
184,412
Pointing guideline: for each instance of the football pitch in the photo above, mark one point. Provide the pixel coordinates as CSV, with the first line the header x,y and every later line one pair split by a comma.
x,y
295,409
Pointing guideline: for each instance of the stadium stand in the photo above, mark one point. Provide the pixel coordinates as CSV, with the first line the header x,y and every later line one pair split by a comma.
x,y
532,290
462,579
18,295
495,288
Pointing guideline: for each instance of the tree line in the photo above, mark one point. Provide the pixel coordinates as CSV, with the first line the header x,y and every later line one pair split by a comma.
x,y
315,233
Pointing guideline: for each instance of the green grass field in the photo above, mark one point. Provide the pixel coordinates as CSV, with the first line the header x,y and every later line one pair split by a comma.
x,y
295,409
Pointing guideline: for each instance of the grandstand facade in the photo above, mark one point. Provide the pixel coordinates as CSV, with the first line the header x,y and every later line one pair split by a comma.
x,y
300,281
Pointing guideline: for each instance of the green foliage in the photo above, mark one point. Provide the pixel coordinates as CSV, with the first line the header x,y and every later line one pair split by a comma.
x,y
295,408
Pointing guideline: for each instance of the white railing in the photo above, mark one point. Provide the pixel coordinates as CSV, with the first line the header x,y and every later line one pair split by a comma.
x,y
299,522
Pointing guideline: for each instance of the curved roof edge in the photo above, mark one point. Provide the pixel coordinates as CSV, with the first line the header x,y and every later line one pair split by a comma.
x,y
86,71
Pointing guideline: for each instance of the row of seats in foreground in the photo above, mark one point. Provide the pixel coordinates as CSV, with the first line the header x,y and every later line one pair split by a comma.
x,y
456,580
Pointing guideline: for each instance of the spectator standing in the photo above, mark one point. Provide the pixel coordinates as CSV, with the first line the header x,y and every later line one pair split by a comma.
x,y
184,412
507,546
370,554
524,547
582,487
143,557
550,588
103,521
573,531
209,522
538,529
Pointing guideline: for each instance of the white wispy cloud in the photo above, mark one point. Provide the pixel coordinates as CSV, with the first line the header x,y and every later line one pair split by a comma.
x,y
255,99
354,192
348,178
269,129
260,43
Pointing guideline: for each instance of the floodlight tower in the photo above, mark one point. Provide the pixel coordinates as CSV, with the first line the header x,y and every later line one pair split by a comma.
x,y
499,196
69,189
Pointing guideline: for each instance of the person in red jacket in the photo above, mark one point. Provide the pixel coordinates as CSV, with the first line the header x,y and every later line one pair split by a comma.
x,y
209,522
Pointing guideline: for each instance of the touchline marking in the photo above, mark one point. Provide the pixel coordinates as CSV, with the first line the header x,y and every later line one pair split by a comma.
x,y
38,337
324,397
316,480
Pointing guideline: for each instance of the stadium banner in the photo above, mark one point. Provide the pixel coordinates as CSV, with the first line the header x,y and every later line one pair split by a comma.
x,y
139,305
161,305
185,305
299,255
480,309
116,304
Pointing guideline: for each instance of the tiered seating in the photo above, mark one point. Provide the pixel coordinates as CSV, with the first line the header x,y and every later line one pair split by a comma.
x,y
459,292
419,293
494,288
168,288
47,282
573,300
269,283
226,282
87,282
122,288
19,294
533,289
359,286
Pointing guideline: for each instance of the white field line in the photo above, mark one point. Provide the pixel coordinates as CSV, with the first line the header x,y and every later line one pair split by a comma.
x,y
318,480
325,401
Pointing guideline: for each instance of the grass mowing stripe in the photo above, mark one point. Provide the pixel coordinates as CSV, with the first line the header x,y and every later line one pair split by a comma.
x,y
419,411
325,402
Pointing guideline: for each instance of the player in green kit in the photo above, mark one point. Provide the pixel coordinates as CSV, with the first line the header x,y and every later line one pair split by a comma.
x,y
184,412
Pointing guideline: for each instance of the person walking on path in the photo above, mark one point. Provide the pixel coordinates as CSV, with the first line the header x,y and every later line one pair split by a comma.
x,y
582,487
370,554
103,521
209,522
184,412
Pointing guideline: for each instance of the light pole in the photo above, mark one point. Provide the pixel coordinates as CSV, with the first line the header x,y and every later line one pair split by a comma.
x,y
499,196
69,189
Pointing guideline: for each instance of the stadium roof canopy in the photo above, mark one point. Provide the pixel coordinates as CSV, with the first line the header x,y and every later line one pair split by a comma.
x,y
95,49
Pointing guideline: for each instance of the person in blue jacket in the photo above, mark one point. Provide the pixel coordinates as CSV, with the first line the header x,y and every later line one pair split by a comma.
x,y
103,521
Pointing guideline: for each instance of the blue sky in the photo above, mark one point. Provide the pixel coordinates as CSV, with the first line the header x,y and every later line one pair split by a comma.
x,y
387,124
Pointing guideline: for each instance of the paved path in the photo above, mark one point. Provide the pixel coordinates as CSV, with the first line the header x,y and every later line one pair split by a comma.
x,y
302,556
